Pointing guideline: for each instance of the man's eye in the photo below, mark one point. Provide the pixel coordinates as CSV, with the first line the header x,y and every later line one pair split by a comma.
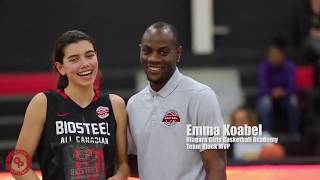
x,y
146,51
164,53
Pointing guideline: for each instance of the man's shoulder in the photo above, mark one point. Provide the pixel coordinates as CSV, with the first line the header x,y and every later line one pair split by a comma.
x,y
138,95
190,84
196,90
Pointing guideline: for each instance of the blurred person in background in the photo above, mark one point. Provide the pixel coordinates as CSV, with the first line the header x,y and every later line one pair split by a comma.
x,y
244,115
277,86
307,40
306,34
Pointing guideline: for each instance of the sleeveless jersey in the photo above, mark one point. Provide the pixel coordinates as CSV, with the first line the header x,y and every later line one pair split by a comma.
x,y
77,143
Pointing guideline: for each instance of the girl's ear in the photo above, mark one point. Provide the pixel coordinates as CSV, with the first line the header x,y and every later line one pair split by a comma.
x,y
60,68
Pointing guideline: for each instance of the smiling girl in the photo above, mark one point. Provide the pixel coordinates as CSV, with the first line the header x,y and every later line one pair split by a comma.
x,y
78,132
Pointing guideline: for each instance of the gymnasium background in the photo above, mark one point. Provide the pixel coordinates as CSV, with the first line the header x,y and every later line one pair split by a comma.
x,y
223,41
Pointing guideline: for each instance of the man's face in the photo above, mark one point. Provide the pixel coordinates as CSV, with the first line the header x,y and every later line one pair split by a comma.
x,y
159,55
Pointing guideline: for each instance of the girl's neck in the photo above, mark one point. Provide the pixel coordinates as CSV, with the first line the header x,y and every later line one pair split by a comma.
x,y
82,96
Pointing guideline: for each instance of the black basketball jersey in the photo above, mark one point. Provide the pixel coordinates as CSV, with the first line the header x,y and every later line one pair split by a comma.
x,y
77,143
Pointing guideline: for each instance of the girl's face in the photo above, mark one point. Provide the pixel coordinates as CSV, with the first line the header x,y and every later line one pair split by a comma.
x,y
80,64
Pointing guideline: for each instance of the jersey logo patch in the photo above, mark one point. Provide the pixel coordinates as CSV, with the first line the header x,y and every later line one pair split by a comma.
x,y
171,118
102,112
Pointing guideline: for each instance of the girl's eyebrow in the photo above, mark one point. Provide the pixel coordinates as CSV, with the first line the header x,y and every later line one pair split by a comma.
x,y
72,56
75,55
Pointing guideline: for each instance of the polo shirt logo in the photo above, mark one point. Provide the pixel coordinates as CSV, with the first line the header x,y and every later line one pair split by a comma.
x,y
102,112
171,118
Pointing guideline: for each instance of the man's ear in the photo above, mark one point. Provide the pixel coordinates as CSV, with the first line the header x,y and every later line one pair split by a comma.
x,y
60,68
179,53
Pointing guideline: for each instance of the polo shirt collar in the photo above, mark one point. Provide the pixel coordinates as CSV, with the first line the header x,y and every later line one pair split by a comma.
x,y
169,86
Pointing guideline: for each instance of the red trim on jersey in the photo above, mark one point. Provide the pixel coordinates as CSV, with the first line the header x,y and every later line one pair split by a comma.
x,y
62,93
96,95
95,98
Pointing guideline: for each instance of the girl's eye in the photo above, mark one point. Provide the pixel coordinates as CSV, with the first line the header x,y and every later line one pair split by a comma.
x,y
90,55
73,60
